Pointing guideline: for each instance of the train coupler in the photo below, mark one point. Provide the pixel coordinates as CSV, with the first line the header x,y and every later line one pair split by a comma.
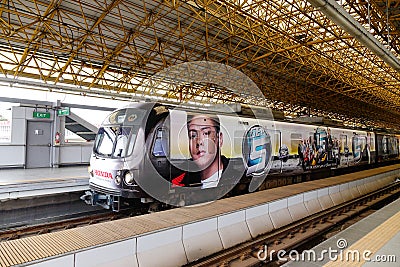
x,y
105,201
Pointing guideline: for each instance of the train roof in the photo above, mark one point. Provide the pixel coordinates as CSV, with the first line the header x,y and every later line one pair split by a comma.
x,y
255,112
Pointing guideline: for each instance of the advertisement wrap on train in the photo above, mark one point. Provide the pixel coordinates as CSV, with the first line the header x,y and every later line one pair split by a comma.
x,y
157,154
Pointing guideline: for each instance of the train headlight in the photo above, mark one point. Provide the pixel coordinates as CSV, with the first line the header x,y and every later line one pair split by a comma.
x,y
128,178
118,180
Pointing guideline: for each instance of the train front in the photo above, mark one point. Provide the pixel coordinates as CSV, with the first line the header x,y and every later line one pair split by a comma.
x,y
116,156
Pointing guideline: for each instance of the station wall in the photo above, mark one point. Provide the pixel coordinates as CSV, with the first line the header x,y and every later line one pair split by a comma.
x,y
14,154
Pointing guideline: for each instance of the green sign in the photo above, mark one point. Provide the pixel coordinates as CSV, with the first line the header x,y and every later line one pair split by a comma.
x,y
63,111
41,115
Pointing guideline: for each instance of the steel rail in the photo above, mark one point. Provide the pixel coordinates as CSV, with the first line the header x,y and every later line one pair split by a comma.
x,y
296,233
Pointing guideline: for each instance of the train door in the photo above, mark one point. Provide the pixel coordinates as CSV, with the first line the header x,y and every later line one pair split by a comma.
x,y
38,144
358,143
344,146
159,152
297,146
371,148
385,149
393,147
309,150
320,137
277,149
382,149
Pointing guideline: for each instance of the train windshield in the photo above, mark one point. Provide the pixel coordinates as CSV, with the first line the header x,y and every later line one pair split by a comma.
x,y
115,141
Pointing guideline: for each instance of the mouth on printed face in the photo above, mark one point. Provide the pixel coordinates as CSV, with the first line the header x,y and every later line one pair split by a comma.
x,y
201,153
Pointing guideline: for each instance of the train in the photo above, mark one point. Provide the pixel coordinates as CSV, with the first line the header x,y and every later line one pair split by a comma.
x,y
159,154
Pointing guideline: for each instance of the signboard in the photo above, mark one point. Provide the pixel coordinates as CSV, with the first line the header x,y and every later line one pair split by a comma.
x,y
41,115
64,111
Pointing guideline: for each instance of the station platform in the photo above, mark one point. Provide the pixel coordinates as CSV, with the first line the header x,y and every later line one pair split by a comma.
x,y
21,183
183,235
373,241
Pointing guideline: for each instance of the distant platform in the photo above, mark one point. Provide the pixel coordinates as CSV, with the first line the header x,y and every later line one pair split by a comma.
x,y
21,183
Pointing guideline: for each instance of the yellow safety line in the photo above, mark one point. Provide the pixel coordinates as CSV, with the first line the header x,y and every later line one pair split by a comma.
x,y
372,242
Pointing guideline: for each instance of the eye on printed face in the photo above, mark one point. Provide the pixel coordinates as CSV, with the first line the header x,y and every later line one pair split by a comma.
x,y
202,141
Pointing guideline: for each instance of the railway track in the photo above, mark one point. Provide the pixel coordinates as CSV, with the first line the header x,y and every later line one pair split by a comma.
x,y
297,234
141,229
81,220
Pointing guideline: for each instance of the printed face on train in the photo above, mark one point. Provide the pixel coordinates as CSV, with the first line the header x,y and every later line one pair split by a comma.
x,y
205,139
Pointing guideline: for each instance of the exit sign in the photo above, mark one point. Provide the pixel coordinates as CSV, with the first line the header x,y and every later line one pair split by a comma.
x,y
63,111
41,115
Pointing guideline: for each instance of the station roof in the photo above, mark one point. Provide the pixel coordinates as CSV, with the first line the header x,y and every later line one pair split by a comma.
x,y
299,53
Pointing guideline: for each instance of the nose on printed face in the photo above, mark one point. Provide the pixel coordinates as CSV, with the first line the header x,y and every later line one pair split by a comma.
x,y
207,145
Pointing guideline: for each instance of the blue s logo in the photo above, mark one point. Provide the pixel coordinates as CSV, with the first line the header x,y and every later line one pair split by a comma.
x,y
256,150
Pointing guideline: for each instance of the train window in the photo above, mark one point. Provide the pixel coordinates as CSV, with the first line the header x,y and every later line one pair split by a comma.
x,y
132,140
114,141
320,138
343,143
237,141
358,144
384,145
295,140
121,141
372,144
104,141
395,146
317,139
160,143
392,145
277,143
